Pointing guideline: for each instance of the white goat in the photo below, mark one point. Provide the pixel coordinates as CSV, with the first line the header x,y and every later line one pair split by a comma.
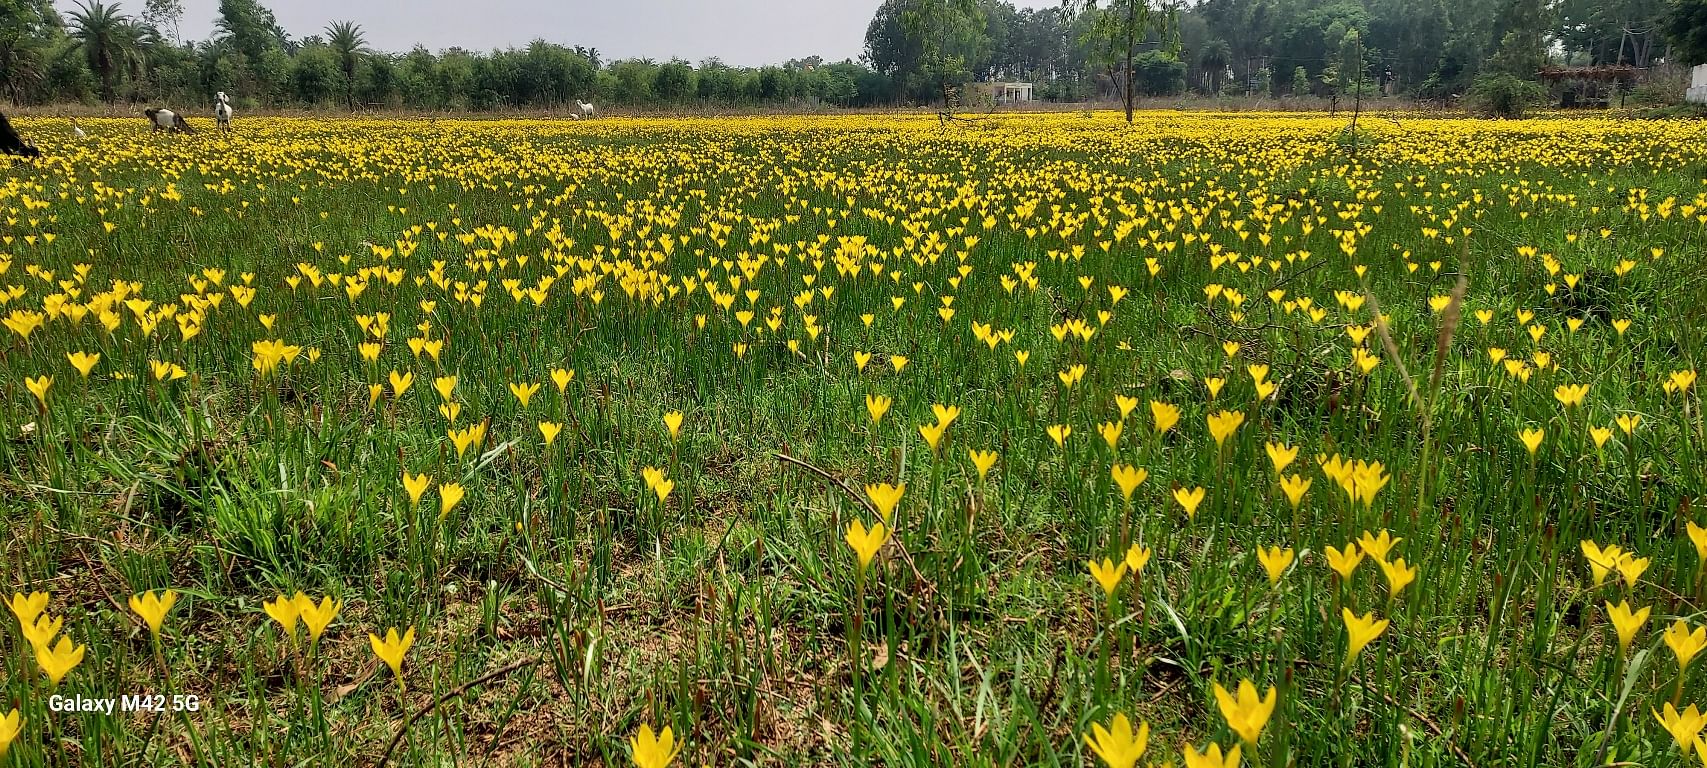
x,y
586,108
222,111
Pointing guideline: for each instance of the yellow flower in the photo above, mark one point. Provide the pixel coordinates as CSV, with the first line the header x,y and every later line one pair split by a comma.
x,y
1626,622
549,431
1107,573
1118,745
1214,384
561,377
1532,439
28,607
1246,714
1344,562
1398,575
1223,424
1628,422
866,542
316,617
416,485
1128,478
1110,431
10,726
400,383
1137,556
932,434
1360,631
450,494
1683,643
166,371
662,488
653,752
153,608
285,611
38,387
983,461
1059,433
1211,757
897,362
1600,435
673,422
1280,455
523,392
1275,561
1601,561
1698,537
1189,498
1165,416
392,649
885,497
445,385
42,630
1631,567
1295,487
1683,726
83,362
1570,395
58,661
1377,546
945,414
877,405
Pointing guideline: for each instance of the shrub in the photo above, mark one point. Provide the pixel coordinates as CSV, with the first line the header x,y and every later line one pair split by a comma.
x,y
1504,95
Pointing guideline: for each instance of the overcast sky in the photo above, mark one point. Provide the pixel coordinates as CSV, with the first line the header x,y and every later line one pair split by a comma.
x,y
741,32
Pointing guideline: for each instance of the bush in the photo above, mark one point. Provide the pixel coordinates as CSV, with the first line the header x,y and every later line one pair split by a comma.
x,y
1158,74
1504,95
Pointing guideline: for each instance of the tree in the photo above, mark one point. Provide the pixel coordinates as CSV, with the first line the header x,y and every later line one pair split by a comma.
x,y
1300,81
1686,27
314,75
927,48
103,35
1213,59
376,80
674,82
1520,30
1120,27
1159,73
348,44
25,50
250,28
164,15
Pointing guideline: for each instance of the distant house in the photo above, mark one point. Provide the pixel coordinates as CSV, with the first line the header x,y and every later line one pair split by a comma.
x,y
1697,92
1591,87
1010,93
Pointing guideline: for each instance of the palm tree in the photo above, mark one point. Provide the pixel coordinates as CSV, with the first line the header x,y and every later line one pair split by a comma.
x,y
1213,60
349,44
23,63
100,30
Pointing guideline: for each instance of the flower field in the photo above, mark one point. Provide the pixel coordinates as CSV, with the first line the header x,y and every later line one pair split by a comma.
x,y
1025,440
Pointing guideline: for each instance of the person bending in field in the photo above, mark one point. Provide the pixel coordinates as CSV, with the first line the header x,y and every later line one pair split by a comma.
x,y
13,144
167,120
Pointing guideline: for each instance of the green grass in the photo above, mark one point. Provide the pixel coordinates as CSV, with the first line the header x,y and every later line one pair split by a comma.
x,y
726,610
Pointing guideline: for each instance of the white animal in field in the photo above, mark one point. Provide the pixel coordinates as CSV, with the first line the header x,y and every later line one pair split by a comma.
x,y
222,111
77,130
586,108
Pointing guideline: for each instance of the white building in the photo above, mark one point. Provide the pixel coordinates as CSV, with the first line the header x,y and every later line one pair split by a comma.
x,y
1697,92
1010,93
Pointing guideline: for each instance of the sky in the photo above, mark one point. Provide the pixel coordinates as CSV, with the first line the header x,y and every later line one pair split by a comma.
x,y
740,32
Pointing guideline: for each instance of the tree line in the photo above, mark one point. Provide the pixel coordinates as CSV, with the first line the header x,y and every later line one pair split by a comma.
x,y
917,51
